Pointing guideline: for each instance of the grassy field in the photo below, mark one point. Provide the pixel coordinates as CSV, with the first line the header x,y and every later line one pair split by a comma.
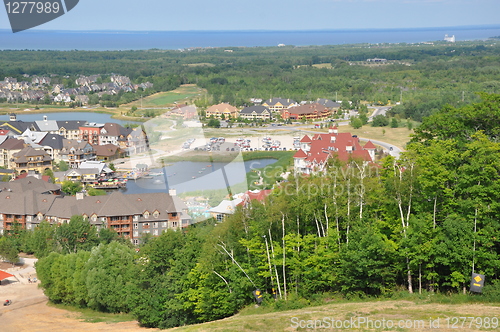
x,y
395,136
182,94
92,316
403,315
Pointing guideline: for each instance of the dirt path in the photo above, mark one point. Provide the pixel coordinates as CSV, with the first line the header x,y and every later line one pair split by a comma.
x,y
29,313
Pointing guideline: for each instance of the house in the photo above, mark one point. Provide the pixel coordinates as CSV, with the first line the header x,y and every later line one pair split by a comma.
x,y
225,208
107,152
52,144
279,104
137,141
223,110
82,99
85,176
314,152
113,133
8,148
30,159
62,98
256,112
187,112
120,80
75,152
70,129
306,111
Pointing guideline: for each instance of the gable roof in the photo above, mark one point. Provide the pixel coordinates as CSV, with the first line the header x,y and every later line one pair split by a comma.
x,y
114,129
18,126
369,145
23,155
259,109
328,103
71,124
55,141
47,125
222,108
29,183
274,101
106,150
226,207
307,109
12,144
305,139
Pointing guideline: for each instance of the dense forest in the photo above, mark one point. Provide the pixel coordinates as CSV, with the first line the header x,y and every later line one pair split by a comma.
x,y
424,77
422,223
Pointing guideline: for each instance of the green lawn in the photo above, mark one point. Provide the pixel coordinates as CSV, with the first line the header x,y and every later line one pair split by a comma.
x,y
162,99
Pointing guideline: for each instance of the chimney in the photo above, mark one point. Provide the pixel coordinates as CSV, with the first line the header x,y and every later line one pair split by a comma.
x,y
333,139
79,196
44,118
172,192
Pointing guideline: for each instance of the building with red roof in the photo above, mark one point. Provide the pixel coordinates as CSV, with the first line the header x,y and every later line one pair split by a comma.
x,y
314,152
307,111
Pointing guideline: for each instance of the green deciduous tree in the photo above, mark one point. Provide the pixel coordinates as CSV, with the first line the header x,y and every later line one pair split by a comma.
x,y
71,188
76,235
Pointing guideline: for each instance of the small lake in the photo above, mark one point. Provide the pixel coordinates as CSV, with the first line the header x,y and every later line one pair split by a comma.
x,y
61,116
186,176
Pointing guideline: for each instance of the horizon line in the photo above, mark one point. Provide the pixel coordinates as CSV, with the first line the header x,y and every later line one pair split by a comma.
x,y
482,26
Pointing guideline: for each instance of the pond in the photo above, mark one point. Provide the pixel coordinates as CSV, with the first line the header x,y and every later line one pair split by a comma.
x,y
187,176
62,116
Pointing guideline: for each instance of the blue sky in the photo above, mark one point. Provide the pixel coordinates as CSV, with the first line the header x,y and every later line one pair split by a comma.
x,y
271,14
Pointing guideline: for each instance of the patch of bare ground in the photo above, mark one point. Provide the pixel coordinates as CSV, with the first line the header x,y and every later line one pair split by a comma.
x,y
29,312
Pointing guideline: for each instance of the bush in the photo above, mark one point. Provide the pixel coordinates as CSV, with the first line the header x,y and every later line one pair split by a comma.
x,y
380,121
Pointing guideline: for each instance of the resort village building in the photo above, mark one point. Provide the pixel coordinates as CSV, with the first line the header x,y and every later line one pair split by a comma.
x,y
29,201
223,109
314,152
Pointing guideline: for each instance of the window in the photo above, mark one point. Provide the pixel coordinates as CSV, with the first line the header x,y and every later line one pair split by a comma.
x,y
136,226
146,214
174,223
136,242
156,214
164,224
28,218
155,232
155,225
136,218
136,233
